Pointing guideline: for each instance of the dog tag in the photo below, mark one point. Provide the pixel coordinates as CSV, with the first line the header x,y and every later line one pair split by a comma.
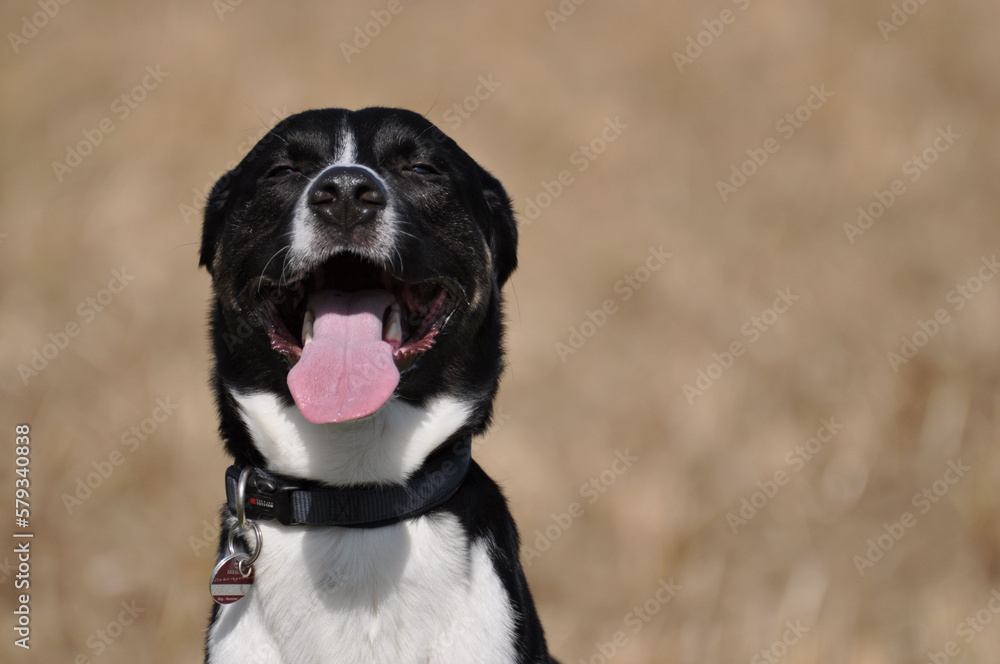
x,y
228,583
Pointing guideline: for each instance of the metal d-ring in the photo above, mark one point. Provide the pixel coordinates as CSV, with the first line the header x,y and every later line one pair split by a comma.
x,y
257,545
244,567
241,494
244,564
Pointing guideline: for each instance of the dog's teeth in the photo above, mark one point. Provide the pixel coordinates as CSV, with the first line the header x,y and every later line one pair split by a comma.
x,y
307,328
393,327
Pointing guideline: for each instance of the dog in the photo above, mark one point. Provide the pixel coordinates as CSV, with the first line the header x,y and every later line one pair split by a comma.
x,y
357,260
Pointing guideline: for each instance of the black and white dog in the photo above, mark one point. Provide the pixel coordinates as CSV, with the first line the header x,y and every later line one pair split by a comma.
x,y
357,261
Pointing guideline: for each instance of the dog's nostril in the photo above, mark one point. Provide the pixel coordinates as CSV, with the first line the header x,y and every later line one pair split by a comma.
x,y
321,195
372,197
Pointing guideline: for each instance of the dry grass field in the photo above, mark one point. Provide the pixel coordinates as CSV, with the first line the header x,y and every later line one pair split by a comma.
x,y
743,421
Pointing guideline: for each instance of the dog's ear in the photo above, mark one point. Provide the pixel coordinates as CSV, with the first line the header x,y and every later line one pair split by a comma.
x,y
503,229
215,209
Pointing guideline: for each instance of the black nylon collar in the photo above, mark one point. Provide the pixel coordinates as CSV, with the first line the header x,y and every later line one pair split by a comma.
x,y
309,503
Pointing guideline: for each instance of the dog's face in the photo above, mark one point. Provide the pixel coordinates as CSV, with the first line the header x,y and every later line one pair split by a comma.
x,y
358,257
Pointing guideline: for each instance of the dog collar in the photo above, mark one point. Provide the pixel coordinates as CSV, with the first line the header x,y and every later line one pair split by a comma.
x,y
293,502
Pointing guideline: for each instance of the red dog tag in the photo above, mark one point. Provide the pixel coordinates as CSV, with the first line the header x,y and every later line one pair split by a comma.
x,y
228,583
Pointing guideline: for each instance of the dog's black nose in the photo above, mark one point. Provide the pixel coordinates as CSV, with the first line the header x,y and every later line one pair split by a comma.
x,y
347,196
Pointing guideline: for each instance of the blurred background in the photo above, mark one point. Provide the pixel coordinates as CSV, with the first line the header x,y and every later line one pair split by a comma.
x,y
752,407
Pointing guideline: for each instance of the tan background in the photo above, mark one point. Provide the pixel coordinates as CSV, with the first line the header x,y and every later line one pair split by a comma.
x,y
137,537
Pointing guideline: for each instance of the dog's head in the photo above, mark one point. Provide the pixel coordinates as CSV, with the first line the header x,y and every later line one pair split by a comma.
x,y
357,257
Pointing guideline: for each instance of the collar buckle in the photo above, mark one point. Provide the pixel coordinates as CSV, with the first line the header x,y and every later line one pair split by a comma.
x,y
263,498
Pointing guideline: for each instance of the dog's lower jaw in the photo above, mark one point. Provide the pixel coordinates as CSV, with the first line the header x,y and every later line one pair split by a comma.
x,y
385,447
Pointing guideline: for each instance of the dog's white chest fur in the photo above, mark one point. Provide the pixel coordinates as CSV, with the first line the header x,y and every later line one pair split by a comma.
x,y
411,592
417,591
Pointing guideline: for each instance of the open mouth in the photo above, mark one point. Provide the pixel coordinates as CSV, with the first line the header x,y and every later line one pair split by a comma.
x,y
410,323
348,330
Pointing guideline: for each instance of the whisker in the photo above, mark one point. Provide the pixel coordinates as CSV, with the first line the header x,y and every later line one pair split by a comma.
x,y
260,279
402,232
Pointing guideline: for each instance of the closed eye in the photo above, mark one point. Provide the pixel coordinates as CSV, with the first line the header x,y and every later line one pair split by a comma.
x,y
281,170
422,169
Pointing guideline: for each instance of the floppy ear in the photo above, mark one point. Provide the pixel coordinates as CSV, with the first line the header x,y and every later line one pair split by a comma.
x,y
503,228
214,216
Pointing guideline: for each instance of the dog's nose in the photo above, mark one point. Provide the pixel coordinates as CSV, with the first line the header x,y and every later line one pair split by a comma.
x,y
347,196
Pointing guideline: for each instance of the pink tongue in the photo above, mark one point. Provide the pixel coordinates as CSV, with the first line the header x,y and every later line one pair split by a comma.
x,y
347,370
